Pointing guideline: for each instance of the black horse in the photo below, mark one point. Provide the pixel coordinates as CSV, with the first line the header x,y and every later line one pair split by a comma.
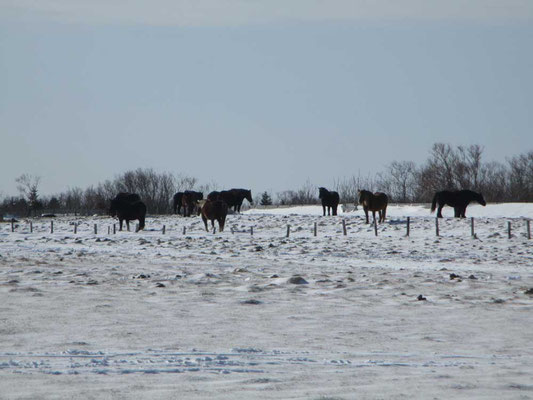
x,y
189,201
329,200
459,200
233,197
177,201
127,207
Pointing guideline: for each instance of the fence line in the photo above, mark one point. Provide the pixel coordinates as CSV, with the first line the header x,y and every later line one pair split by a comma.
x,y
289,228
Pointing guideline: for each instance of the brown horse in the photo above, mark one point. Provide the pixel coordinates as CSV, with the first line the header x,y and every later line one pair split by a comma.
x,y
213,210
374,202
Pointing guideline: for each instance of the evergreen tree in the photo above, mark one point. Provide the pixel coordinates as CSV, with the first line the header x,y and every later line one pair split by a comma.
x,y
266,200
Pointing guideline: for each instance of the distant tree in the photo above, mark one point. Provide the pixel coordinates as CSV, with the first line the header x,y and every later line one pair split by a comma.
x,y
266,200
53,204
28,186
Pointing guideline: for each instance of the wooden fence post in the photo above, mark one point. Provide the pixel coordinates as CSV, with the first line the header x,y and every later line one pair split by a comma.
x,y
344,227
437,226
31,226
288,230
408,225
472,227
509,229
315,229
251,230
184,230
95,229
12,225
75,227
114,229
214,230
375,225
164,229
108,230
51,226
528,229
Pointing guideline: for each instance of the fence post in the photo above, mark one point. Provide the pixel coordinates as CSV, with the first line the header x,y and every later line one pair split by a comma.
x,y
252,230
375,225
31,226
315,229
528,229
164,229
472,227
114,229
12,225
184,230
136,227
437,226
288,230
344,227
108,230
51,226
75,227
509,229
408,225
95,229
214,230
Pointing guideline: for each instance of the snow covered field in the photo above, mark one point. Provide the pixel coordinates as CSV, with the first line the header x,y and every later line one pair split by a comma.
x,y
236,316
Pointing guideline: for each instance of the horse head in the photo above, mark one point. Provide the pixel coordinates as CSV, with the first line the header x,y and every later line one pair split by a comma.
x,y
113,208
363,195
322,192
480,199
248,196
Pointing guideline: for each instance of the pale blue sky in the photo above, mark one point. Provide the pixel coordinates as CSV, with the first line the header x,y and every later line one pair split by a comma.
x,y
257,94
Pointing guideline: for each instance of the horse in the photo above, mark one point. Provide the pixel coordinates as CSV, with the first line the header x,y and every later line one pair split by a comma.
x,y
127,207
214,210
329,200
458,199
189,201
238,196
374,202
233,197
177,201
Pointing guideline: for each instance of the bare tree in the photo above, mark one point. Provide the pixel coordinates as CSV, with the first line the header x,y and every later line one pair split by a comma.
x,y
399,181
28,186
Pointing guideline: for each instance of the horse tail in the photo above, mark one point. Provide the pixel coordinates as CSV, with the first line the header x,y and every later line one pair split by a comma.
x,y
434,203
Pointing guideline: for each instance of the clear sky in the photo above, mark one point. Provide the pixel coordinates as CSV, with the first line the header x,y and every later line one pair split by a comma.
x,y
257,94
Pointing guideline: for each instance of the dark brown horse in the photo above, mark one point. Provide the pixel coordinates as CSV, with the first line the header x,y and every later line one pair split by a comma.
x,y
374,202
127,207
214,210
459,200
330,200
189,201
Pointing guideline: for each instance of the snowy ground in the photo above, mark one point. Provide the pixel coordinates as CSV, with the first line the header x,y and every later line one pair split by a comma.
x,y
236,316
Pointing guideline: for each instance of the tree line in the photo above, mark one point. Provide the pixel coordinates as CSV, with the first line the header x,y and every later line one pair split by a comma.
x,y
446,168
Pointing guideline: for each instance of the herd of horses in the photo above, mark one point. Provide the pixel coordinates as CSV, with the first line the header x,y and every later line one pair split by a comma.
x,y
128,206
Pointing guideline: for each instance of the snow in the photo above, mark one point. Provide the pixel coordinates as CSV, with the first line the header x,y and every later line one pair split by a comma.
x,y
203,315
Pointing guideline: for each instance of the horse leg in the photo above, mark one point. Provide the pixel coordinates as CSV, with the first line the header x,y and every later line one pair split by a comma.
x,y
439,211
119,224
323,211
374,216
380,215
366,215
205,222
463,212
334,210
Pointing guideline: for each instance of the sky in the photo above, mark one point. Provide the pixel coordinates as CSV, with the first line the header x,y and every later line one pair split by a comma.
x,y
257,94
